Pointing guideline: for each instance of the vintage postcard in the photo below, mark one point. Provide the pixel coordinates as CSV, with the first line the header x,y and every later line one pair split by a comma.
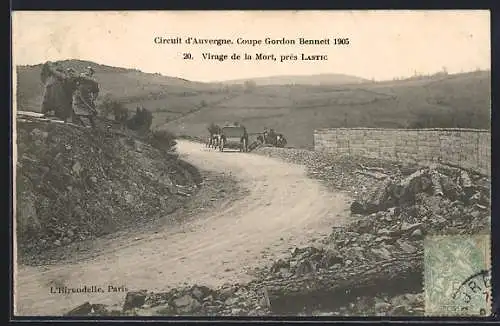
x,y
252,163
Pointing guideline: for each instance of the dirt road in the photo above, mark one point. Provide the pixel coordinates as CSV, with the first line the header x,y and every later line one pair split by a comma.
x,y
284,209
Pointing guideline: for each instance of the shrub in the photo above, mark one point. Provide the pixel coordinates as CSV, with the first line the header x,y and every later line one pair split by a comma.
x,y
113,107
141,121
163,140
214,129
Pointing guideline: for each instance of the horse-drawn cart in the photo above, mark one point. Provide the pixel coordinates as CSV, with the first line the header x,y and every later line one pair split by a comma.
x,y
234,137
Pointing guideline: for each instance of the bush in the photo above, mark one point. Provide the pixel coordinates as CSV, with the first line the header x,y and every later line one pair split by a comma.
x,y
113,107
141,121
163,140
214,129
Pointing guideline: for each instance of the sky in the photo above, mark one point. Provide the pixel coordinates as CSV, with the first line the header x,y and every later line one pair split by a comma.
x,y
382,44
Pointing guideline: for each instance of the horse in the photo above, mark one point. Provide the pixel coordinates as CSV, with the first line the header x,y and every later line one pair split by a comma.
x,y
207,143
215,141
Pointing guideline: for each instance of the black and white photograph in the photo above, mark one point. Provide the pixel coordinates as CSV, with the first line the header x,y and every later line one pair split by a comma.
x,y
251,163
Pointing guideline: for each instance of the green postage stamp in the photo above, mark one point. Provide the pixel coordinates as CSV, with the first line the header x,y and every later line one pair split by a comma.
x,y
457,275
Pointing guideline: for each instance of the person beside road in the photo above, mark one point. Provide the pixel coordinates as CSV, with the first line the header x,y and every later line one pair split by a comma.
x,y
59,86
84,96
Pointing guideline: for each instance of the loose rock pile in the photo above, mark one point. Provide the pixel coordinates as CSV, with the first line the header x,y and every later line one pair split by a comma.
x,y
230,300
394,209
446,199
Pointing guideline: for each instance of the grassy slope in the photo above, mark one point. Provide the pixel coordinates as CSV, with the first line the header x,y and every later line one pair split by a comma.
x,y
457,100
296,110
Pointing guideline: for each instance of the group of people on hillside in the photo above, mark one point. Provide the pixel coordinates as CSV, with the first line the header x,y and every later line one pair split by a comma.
x,y
69,95
270,136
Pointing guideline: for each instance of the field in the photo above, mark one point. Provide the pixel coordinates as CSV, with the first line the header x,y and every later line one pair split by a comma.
x,y
449,101
186,107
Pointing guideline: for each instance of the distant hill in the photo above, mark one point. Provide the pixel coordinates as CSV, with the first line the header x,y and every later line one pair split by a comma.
x,y
129,85
453,101
187,107
320,79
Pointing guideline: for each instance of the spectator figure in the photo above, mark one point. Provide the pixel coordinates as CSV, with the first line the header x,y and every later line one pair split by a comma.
x,y
84,97
89,73
58,90
272,137
265,135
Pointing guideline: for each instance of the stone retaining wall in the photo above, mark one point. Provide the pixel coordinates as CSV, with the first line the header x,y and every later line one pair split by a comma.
x,y
468,148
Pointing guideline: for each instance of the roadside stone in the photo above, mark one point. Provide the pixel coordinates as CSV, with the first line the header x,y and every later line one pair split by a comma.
x,y
384,231
280,264
438,219
382,239
414,299
144,312
77,168
366,237
200,292
134,299
305,267
406,247
236,311
163,310
417,234
382,307
330,259
399,311
227,291
82,310
364,226
186,304
231,301
408,227
285,273
381,252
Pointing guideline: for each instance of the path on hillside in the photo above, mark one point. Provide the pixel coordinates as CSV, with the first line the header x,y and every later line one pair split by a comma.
x,y
284,209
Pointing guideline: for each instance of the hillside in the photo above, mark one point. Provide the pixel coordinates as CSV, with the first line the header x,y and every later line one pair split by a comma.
x,y
128,85
74,184
186,107
320,79
461,100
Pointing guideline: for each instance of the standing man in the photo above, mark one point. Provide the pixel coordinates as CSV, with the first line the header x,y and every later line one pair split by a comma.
x,y
59,87
265,135
86,92
272,137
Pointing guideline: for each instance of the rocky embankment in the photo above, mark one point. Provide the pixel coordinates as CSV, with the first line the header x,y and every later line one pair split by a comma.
x,y
396,205
74,184
372,266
